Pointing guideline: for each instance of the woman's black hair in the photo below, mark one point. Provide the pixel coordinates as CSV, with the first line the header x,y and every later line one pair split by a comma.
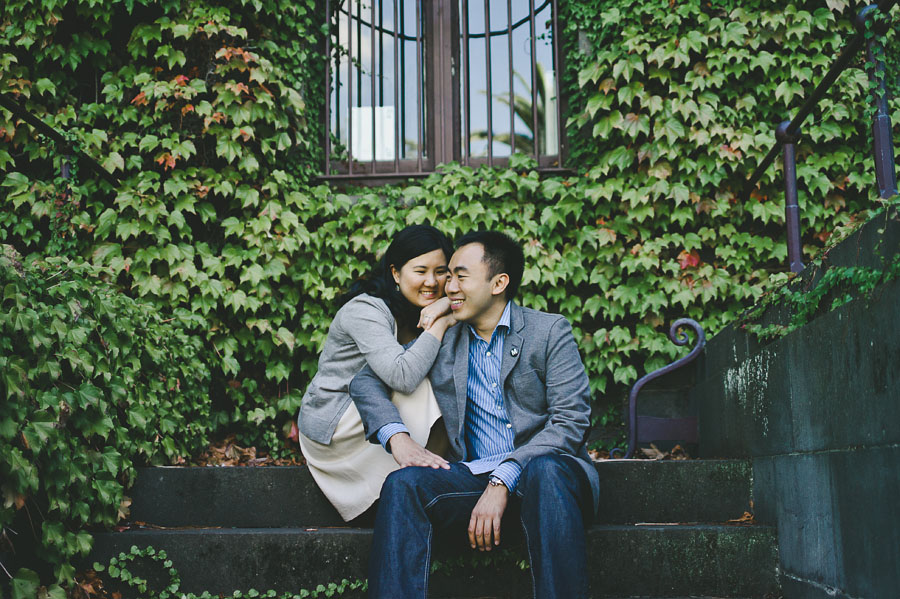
x,y
412,241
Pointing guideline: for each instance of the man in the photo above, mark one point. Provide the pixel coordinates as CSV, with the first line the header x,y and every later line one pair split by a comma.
x,y
514,397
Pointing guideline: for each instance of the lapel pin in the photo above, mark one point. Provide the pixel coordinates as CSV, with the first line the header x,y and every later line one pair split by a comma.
x,y
514,352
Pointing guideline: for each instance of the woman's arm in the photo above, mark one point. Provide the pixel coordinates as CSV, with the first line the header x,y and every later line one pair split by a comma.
x,y
369,323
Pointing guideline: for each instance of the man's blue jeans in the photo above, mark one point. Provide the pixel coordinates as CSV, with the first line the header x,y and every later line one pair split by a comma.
x,y
555,505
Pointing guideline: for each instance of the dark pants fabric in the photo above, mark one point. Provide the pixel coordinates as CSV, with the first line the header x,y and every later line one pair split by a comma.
x,y
553,500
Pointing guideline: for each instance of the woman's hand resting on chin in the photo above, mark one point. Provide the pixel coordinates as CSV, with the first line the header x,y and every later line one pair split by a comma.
x,y
433,312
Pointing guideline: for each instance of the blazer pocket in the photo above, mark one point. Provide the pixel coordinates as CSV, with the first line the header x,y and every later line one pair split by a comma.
x,y
530,391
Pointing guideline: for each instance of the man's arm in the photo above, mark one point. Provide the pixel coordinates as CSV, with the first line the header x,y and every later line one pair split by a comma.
x,y
568,400
373,401
382,422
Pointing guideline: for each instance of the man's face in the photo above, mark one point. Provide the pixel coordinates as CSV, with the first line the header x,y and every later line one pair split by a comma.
x,y
469,287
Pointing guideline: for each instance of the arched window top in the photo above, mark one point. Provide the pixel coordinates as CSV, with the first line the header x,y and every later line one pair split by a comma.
x,y
413,84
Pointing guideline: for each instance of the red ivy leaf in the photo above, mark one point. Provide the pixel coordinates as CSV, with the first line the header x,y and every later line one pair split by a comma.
x,y
688,259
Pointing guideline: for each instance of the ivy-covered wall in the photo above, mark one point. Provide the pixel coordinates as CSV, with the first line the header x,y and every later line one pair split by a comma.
x,y
210,114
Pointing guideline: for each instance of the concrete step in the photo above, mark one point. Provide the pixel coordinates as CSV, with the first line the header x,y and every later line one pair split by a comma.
x,y
631,491
624,561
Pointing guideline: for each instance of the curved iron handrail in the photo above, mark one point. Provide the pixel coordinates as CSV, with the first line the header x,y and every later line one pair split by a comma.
x,y
679,340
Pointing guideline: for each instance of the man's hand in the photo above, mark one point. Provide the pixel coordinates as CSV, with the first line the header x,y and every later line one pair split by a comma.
x,y
484,525
407,452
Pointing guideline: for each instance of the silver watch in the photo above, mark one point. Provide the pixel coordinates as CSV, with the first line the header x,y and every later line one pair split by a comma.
x,y
495,481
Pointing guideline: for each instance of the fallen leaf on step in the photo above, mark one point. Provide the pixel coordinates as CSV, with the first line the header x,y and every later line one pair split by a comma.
x,y
653,453
228,453
747,518
598,454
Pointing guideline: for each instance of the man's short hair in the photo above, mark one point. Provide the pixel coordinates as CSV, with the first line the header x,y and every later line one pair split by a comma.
x,y
502,254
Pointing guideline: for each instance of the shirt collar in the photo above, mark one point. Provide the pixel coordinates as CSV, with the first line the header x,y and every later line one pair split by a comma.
x,y
503,322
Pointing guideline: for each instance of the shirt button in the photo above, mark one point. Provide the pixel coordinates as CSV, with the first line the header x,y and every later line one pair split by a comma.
x,y
488,354
508,426
493,385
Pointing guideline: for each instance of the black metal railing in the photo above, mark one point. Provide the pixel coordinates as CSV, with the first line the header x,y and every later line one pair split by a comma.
x,y
63,145
787,133
644,429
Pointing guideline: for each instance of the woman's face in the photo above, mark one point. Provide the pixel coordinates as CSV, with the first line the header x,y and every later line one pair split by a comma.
x,y
422,279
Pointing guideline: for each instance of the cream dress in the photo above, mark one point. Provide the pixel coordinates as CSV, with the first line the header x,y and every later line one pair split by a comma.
x,y
350,470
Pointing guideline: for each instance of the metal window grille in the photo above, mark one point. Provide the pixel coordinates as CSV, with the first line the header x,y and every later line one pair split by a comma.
x,y
416,83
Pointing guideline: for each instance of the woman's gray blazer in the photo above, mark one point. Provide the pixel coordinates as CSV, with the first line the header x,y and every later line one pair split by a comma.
x,y
363,332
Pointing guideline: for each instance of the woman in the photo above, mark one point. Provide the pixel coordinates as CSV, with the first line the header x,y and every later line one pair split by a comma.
x,y
378,317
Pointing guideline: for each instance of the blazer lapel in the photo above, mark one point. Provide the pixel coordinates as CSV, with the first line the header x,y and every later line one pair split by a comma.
x,y
461,374
512,346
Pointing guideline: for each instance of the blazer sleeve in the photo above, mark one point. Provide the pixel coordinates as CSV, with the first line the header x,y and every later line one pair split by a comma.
x,y
372,398
401,368
568,400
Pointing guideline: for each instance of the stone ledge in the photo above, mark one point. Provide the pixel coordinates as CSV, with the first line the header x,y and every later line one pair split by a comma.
x,y
658,561
632,491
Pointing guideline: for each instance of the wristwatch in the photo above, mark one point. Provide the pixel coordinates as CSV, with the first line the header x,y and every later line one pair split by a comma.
x,y
495,481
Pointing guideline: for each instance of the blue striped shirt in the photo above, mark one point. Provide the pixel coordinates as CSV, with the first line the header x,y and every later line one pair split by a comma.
x,y
489,433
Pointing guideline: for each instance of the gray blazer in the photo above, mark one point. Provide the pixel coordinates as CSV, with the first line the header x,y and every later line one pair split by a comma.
x,y
363,332
544,381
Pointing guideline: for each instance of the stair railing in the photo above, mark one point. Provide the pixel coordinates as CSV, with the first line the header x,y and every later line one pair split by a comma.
x,y
651,428
65,145
787,133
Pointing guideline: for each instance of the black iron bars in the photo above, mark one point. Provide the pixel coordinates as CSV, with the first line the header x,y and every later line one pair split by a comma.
x,y
788,141
881,127
883,147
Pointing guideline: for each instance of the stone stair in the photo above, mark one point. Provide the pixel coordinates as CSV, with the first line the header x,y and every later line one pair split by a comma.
x,y
661,532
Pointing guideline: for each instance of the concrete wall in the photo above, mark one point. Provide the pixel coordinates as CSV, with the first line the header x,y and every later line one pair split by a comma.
x,y
818,411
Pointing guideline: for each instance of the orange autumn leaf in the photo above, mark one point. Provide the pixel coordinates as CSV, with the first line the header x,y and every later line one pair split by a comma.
x,y
747,518
140,99
166,159
758,196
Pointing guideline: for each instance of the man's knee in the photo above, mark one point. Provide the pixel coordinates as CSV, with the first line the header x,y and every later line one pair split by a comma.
x,y
553,476
409,482
547,470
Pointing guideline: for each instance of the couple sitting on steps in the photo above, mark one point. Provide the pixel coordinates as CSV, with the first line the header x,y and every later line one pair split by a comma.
x,y
469,427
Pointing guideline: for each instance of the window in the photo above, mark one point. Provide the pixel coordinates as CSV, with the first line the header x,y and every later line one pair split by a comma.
x,y
416,83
